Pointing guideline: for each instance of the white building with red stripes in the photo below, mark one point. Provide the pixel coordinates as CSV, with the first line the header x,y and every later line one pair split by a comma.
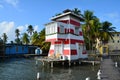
x,y
65,35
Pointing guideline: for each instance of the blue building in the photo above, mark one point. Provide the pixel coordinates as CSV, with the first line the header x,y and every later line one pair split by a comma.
x,y
19,49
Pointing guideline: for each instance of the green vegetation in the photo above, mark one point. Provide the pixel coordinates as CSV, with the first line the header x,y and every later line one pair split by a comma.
x,y
4,38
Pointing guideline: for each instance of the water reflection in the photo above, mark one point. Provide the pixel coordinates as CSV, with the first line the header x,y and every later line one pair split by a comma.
x,y
69,73
26,69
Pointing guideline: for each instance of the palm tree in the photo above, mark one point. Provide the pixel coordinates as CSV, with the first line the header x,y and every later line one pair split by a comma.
x,y
35,38
88,16
106,30
17,40
30,29
17,32
76,11
25,38
4,38
44,45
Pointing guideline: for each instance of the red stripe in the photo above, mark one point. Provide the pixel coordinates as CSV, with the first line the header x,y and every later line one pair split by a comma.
x,y
73,52
58,42
65,41
80,33
84,52
65,30
72,31
51,52
71,22
65,52
51,40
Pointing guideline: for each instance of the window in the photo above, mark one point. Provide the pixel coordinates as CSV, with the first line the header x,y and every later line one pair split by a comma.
x,y
113,35
62,29
77,30
113,41
51,28
117,34
118,41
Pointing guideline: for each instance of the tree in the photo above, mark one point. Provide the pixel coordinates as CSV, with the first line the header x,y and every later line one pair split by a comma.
x,y
4,38
17,40
35,38
17,32
76,11
30,29
44,45
25,38
106,30
88,16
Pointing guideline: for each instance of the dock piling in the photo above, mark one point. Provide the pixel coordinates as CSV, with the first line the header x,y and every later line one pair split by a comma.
x,y
51,64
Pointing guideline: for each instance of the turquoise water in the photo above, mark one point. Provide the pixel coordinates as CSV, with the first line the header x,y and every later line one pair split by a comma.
x,y
26,69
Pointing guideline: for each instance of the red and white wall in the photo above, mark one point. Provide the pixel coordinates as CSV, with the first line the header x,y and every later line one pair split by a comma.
x,y
66,38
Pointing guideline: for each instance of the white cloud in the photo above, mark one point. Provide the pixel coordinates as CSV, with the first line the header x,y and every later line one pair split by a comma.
x,y
25,27
14,3
8,28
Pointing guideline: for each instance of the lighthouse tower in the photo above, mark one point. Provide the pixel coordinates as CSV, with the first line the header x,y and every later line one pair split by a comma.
x,y
66,38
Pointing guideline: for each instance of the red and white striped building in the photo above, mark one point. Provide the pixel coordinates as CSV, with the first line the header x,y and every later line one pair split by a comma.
x,y
65,35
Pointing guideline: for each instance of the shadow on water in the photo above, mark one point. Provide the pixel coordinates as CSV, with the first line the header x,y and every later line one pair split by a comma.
x,y
26,69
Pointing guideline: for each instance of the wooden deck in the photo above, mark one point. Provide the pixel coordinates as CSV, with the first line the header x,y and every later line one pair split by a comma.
x,y
109,71
69,62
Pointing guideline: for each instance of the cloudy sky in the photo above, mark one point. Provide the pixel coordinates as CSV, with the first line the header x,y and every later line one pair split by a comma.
x,y
20,13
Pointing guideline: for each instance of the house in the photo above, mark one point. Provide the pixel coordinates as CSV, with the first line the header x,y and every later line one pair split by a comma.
x,y
111,46
66,38
114,44
11,49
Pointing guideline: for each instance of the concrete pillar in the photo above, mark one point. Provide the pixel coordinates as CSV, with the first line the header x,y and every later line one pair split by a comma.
x,y
79,62
43,63
51,64
93,63
74,63
69,63
63,63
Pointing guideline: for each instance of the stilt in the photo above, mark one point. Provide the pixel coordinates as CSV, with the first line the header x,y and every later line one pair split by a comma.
x,y
93,63
51,70
43,63
51,64
36,62
79,62
69,63
74,63
63,63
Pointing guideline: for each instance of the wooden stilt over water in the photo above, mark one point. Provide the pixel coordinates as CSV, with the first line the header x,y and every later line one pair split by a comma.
x,y
69,63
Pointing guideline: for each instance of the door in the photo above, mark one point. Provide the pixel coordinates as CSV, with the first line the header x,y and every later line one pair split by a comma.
x,y
58,49
79,50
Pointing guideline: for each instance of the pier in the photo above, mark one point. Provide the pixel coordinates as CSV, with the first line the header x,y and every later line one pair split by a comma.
x,y
108,70
53,61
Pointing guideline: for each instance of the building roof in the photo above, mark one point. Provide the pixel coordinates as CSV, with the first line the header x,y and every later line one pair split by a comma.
x,y
67,13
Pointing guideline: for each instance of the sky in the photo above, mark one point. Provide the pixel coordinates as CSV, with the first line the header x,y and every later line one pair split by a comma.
x,y
18,14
